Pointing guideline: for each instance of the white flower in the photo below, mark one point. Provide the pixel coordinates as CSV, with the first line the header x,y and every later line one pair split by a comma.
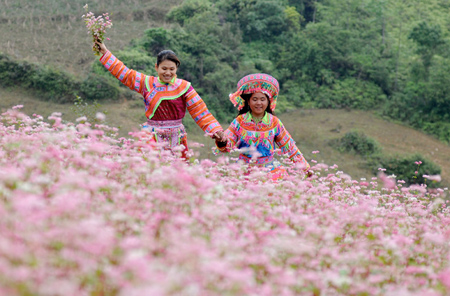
x,y
100,116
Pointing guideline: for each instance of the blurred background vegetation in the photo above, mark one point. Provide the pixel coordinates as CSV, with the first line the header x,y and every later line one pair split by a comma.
x,y
389,58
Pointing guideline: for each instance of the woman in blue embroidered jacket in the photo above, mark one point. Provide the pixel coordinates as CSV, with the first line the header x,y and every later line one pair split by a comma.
x,y
256,130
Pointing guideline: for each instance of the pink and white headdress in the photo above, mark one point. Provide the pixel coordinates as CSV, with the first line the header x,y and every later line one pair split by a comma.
x,y
252,83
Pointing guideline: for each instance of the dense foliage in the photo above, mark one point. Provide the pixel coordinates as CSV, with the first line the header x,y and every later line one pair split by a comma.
x,y
53,84
409,168
357,142
358,54
83,213
390,56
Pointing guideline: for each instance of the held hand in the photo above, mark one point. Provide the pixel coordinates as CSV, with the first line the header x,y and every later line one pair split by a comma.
x,y
221,144
220,137
101,46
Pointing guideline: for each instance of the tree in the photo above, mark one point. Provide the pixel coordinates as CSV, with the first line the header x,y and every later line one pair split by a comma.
x,y
429,41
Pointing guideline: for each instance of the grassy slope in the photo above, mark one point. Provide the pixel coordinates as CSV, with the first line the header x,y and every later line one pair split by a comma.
x,y
52,32
49,32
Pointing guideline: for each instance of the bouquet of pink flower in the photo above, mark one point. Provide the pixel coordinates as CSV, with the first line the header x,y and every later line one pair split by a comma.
x,y
96,26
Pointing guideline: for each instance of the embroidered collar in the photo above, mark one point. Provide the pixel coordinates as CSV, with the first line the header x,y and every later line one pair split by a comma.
x,y
172,82
249,117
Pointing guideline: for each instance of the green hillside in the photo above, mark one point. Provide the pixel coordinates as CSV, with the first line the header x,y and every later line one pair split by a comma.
x,y
362,61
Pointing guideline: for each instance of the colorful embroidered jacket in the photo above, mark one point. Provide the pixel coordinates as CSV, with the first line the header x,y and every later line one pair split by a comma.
x,y
163,101
245,133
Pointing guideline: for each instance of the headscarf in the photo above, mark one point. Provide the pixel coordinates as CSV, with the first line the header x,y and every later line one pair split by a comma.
x,y
253,83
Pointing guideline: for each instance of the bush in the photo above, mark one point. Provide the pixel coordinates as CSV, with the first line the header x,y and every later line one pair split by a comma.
x,y
13,72
53,84
188,9
95,88
48,82
439,129
405,168
357,142
351,93
158,39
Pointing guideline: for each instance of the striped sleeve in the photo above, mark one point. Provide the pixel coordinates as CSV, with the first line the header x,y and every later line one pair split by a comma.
x,y
131,78
287,146
200,113
232,136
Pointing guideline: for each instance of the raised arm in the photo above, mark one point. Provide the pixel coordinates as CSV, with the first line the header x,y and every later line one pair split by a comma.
x,y
131,78
287,146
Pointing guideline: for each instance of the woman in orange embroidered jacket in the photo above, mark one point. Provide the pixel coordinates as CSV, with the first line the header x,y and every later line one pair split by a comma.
x,y
166,99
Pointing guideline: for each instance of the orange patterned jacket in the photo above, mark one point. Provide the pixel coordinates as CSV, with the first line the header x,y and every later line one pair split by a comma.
x,y
163,101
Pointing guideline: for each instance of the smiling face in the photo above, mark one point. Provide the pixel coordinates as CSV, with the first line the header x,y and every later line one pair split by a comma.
x,y
258,103
166,70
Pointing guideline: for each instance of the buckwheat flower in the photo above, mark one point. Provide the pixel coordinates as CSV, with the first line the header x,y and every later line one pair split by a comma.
x,y
96,27
82,118
388,183
436,178
100,116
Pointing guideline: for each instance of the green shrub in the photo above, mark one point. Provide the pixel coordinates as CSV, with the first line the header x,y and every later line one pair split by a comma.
x,y
439,129
14,72
52,84
157,39
48,82
351,93
405,168
187,9
55,85
357,142
95,88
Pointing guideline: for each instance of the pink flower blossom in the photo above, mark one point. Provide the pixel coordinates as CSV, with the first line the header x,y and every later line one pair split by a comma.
x,y
436,178
83,212
96,26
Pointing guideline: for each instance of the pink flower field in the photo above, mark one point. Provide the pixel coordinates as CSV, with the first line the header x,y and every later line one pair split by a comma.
x,y
83,212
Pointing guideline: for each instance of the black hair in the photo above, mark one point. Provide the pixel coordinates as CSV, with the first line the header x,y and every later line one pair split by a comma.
x,y
167,55
246,108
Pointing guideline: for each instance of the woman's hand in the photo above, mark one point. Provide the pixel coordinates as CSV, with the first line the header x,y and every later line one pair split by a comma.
x,y
220,136
221,139
101,47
